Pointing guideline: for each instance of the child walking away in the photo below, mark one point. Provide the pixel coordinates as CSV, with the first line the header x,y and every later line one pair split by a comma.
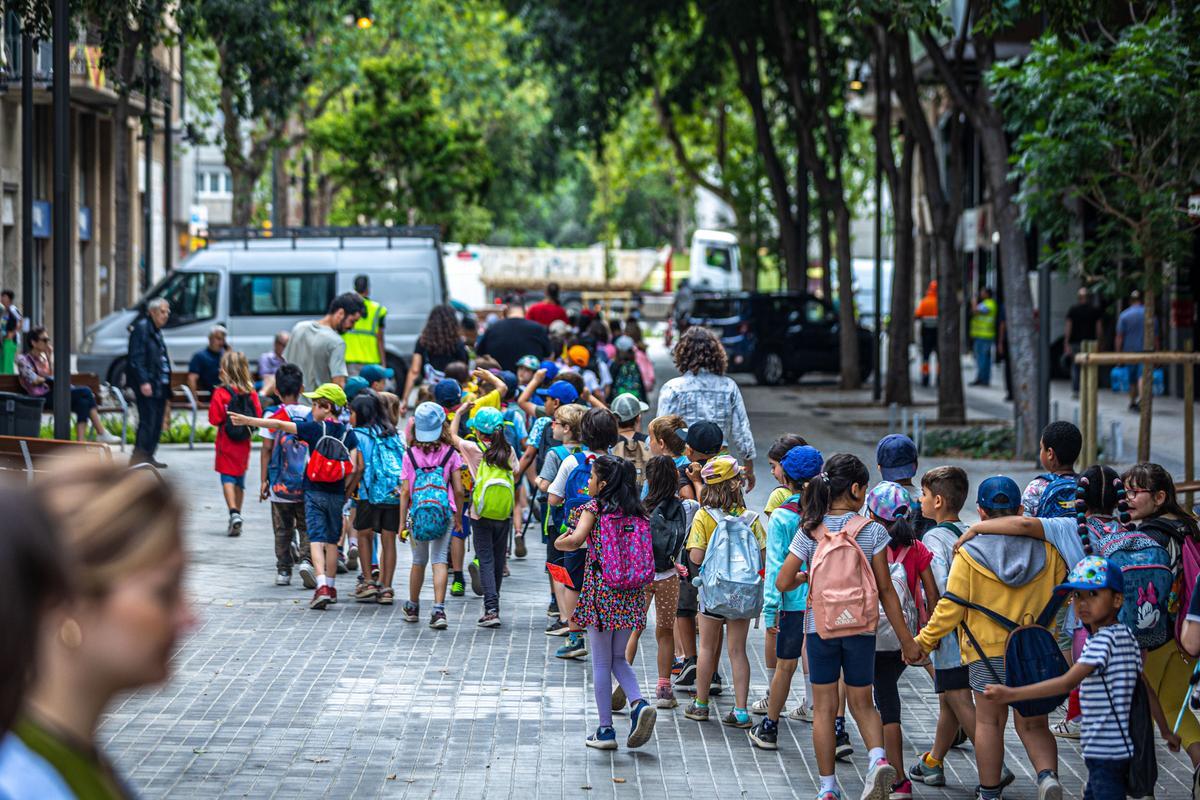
x,y
379,463
491,506
896,456
727,542
626,374
632,445
783,612
1052,494
329,464
431,501
620,564
235,395
1118,747
284,457
848,575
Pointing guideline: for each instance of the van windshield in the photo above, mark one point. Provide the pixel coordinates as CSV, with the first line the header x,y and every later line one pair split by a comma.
x,y
192,295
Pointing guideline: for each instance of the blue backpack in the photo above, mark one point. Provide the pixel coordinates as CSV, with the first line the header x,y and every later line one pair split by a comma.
x,y
429,517
285,470
381,475
1058,498
576,490
552,519
510,427
1146,569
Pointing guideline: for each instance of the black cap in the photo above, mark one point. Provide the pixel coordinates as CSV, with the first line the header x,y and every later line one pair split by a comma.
x,y
705,437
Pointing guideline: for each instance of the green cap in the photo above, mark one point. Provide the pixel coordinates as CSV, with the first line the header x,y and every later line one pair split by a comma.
x,y
329,391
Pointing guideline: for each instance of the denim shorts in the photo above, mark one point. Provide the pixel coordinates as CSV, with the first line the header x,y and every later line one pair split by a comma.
x,y
323,516
849,657
437,550
237,480
790,639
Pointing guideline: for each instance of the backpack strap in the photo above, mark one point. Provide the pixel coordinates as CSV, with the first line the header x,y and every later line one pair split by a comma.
x,y
999,619
854,525
446,458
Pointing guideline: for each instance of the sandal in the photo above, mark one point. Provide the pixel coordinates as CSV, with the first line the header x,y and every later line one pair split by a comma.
x,y
386,596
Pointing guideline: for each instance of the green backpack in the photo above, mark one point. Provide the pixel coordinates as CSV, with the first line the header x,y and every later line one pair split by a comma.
x,y
494,492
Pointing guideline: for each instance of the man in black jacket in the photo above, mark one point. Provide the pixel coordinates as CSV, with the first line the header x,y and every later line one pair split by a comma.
x,y
148,372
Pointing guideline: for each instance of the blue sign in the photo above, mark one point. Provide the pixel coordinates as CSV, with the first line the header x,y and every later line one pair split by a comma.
x,y
41,219
85,224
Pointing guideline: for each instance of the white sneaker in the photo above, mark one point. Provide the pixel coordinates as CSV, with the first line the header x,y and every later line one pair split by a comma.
x,y
308,575
283,578
1049,789
760,707
1066,729
104,436
878,783
235,524
802,713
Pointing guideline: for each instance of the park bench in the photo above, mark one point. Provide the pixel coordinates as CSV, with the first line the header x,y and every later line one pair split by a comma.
x,y
20,454
182,397
115,405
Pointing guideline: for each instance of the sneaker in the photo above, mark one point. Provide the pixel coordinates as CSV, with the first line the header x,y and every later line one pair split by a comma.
x,y
677,667
457,589
802,713
411,612
320,599
664,697
308,575
1066,728
352,557
1049,788
235,524
575,647
830,794
844,750
104,436
619,699
901,791
552,609
923,773
476,581
760,706
764,738
342,569
490,619
686,680
557,627
519,546
734,721
715,687
283,578
696,712
333,595
879,781
641,724
437,620
605,738
366,591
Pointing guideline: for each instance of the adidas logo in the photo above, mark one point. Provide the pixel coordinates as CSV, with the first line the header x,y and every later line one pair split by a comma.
x,y
845,618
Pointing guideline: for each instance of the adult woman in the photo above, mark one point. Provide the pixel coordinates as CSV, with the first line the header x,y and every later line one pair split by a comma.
x,y
116,632
35,370
703,392
438,345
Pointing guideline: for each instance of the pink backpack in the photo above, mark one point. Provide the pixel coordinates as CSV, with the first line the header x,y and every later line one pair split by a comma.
x,y
626,552
1189,570
842,596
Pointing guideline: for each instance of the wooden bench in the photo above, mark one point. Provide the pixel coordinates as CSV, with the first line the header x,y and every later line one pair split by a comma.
x,y
117,404
30,455
182,397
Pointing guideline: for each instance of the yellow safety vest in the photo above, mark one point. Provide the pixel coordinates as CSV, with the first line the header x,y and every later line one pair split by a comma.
x,y
361,347
983,323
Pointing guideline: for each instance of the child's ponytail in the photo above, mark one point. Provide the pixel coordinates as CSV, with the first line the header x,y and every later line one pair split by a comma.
x,y
1099,490
498,449
842,472
901,532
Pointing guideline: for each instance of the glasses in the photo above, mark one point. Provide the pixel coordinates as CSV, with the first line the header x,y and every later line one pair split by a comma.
x,y
1133,492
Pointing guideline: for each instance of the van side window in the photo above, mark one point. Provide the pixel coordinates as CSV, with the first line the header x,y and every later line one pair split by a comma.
x,y
816,312
275,294
192,295
718,257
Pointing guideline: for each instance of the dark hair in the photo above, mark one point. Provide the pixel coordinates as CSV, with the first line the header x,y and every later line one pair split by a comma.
x,y
552,292
7,293
349,302
34,335
842,471
951,483
662,481
369,413
901,532
459,371
289,379
783,444
620,492
498,449
440,336
468,323
700,349
598,332
633,330
362,284
598,430
614,327
573,378
1064,439
1153,478
1099,490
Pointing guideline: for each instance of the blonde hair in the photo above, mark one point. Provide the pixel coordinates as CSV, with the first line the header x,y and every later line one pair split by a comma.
x,y
391,406
572,416
666,428
235,371
112,521
726,495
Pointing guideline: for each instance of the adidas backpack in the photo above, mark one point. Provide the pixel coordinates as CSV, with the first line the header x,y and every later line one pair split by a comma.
x,y
429,517
381,473
1058,497
842,596
730,581
626,553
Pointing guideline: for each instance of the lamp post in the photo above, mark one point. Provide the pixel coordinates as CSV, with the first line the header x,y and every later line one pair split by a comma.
x,y
62,220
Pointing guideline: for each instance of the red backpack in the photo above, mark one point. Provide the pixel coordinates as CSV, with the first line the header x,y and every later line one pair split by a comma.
x,y
330,459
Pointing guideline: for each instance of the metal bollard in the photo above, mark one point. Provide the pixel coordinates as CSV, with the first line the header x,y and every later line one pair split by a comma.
x,y
893,415
1054,411
904,421
1118,442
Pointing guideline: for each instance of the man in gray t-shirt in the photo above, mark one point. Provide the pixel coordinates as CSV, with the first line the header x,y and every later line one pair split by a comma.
x,y
317,347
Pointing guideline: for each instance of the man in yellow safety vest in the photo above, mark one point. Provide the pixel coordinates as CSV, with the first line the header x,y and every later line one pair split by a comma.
x,y
983,336
364,342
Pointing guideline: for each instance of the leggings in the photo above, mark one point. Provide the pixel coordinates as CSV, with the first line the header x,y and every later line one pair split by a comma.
x,y
608,659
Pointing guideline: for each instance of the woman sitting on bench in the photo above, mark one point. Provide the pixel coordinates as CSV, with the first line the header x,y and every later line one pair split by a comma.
x,y
35,370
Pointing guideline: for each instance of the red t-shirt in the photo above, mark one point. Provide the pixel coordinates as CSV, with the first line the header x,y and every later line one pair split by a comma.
x,y
545,312
232,457
915,559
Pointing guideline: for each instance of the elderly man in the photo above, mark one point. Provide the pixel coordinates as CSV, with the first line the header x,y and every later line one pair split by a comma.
x,y
204,370
148,371
316,345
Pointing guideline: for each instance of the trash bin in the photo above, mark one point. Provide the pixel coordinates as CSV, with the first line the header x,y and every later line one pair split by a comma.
x,y
20,415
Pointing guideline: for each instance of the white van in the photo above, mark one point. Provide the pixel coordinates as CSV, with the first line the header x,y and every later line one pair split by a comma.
x,y
257,285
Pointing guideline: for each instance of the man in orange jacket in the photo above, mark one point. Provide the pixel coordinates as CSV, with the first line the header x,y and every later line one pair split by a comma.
x,y
927,314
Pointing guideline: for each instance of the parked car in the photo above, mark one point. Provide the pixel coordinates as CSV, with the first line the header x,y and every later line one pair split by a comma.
x,y
256,285
777,336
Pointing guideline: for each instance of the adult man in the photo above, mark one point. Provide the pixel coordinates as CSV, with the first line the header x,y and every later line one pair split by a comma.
x,y
10,326
547,311
983,335
148,371
1131,338
364,341
204,370
316,346
1084,323
270,362
927,315
508,339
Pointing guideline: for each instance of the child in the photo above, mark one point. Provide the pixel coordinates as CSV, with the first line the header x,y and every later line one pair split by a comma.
x,y
1015,577
887,504
627,377
721,496
564,428
896,456
515,429
1058,451
526,366
1106,671
448,394
330,444
703,442
783,612
664,440
431,479
829,508
379,464
235,395
283,481
632,445
611,615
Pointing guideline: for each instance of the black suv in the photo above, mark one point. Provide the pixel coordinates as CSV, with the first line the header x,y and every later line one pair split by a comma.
x,y
778,336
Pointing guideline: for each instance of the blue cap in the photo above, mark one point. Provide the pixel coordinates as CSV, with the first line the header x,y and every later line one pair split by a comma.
x,y
487,420
561,391
428,420
1092,573
447,392
354,385
373,372
551,369
896,457
510,380
802,462
998,492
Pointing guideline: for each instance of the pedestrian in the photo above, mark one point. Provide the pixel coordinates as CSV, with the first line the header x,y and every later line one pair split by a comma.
x,y
664,439
565,430
282,464
234,394
927,317
316,346
616,529
1131,338
983,335
783,612
492,503
204,369
896,457
702,444
1058,450
633,330
632,445
379,462
627,375
782,491
10,331
431,506
148,370
838,639
439,344
1085,323
330,463
35,373
703,392
548,310
508,339
365,338
269,363
721,502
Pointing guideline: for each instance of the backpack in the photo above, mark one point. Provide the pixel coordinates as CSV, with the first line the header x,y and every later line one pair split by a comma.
x,y
1142,772
628,380
842,594
285,471
430,516
1058,498
885,635
668,532
1146,567
731,581
546,443
635,452
494,492
510,427
381,474
1175,536
238,404
576,490
330,459
646,367
626,552
1031,653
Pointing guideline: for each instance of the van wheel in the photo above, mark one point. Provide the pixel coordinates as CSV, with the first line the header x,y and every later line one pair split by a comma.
x,y
769,371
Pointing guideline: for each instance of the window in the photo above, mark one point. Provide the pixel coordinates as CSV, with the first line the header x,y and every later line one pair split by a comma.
x,y
719,257
817,312
214,182
192,295
280,295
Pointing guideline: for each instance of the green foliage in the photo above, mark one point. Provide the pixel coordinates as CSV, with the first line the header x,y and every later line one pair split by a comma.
x,y
177,432
976,442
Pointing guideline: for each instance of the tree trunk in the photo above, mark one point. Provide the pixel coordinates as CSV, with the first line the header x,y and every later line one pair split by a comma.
x,y
797,273
898,388
826,254
847,325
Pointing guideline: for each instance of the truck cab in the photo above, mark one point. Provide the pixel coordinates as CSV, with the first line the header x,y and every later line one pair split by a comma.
x,y
716,263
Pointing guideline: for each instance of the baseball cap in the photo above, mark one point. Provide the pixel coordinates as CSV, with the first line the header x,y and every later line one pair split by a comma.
x,y
510,381
328,391
704,437
559,328
998,491
626,407
447,392
720,469
561,391
354,385
802,462
428,420
551,369
1092,573
896,457
578,355
529,362
624,343
487,420
888,501
374,372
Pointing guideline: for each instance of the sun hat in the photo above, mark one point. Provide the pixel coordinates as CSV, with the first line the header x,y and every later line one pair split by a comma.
x,y
328,391
888,501
720,469
428,420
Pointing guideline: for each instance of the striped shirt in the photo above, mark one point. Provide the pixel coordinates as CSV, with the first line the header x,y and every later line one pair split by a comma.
x,y
1107,692
871,539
